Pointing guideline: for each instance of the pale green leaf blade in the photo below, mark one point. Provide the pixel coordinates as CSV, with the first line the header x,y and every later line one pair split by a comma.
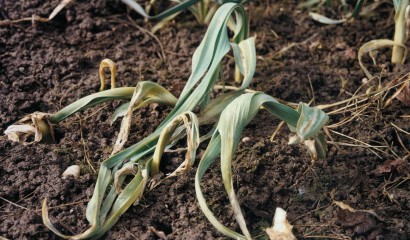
x,y
325,20
310,122
233,120
92,100
245,59
190,122
120,112
145,93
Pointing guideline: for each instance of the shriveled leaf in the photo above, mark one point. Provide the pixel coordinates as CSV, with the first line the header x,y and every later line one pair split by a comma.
x,y
361,221
281,229
47,222
310,122
191,125
374,45
14,132
33,124
124,171
145,93
345,206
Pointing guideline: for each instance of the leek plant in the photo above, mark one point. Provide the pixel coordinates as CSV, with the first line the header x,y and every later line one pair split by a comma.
x,y
398,43
229,113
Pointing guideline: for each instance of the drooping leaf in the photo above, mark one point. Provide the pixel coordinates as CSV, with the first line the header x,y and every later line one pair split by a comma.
x,y
233,120
92,100
374,45
144,93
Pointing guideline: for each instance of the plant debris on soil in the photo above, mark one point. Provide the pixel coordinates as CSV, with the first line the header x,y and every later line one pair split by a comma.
x,y
45,66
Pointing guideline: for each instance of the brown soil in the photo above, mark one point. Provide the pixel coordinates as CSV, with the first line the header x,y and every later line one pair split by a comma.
x,y
45,66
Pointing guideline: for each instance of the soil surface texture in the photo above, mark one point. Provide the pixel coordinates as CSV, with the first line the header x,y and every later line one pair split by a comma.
x,y
46,66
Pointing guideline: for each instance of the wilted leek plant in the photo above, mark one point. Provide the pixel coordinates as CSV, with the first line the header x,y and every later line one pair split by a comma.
x,y
140,162
398,43
110,199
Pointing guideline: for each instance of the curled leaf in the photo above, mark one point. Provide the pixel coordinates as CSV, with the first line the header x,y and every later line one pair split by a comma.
x,y
107,63
145,93
54,13
47,222
126,170
374,45
191,125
